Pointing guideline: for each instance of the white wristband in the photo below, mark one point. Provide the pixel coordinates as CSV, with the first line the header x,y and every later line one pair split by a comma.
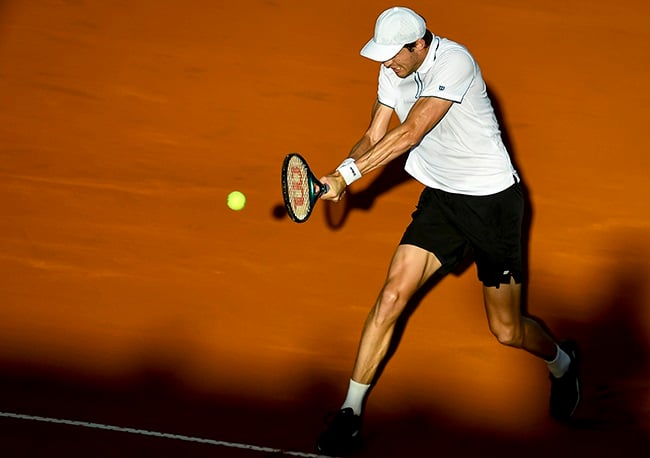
x,y
349,171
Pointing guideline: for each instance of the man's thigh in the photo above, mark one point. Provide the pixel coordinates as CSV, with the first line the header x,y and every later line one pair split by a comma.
x,y
411,267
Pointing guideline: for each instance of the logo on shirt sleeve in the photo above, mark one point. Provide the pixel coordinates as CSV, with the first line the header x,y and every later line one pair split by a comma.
x,y
441,88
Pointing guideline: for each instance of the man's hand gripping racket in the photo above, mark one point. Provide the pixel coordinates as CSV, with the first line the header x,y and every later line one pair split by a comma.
x,y
300,188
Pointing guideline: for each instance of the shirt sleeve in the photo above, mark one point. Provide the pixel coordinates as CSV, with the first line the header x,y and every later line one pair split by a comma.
x,y
386,91
453,76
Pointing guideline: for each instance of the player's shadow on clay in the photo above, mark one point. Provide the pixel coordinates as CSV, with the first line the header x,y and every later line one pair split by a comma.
x,y
390,176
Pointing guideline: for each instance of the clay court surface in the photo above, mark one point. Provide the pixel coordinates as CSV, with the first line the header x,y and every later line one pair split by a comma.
x,y
132,297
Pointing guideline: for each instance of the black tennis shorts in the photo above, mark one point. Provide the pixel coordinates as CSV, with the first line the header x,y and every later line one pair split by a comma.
x,y
450,225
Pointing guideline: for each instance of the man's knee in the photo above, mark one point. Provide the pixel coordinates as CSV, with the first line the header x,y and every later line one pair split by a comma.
x,y
390,305
509,334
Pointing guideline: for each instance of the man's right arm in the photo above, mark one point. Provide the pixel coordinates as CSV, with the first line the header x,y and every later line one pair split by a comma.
x,y
379,122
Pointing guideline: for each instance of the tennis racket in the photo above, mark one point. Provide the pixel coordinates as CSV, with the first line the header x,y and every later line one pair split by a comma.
x,y
300,188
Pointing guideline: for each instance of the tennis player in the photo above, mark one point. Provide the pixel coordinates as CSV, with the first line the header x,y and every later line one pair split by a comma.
x,y
472,201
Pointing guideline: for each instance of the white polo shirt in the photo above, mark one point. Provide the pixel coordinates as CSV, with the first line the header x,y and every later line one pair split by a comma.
x,y
464,152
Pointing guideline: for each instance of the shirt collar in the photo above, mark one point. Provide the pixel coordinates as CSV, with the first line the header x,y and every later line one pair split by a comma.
x,y
431,56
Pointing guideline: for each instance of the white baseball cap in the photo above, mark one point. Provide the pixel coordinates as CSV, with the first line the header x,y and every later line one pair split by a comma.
x,y
395,27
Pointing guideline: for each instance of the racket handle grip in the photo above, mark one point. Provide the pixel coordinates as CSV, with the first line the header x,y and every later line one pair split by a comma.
x,y
325,189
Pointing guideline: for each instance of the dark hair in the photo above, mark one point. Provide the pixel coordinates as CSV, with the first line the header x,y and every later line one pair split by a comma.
x,y
428,38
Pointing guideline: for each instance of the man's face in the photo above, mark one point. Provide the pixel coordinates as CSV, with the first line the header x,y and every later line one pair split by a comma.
x,y
406,62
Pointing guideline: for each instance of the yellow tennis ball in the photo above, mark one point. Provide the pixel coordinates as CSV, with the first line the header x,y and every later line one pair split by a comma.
x,y
236,200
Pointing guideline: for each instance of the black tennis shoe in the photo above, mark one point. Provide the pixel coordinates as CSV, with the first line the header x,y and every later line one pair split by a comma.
x,y
565,391
343,433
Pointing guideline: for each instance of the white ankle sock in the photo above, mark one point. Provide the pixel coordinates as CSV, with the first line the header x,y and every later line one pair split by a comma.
x,y
560,364
356,395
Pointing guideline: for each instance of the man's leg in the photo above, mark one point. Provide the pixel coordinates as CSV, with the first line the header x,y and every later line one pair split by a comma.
x,y
510,327
410,268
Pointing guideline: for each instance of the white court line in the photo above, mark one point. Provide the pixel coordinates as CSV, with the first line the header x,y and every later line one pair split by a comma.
x,y
144,432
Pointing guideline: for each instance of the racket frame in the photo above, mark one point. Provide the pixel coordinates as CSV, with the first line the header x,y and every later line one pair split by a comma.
x,y
315,188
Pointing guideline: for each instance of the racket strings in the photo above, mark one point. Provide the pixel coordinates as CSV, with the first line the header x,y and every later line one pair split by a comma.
x,y
298,187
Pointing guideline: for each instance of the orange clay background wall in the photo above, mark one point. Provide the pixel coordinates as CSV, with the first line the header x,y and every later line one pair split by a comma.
x,y
124,125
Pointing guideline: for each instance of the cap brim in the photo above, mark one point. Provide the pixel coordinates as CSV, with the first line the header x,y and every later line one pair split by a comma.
x,y
380,53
